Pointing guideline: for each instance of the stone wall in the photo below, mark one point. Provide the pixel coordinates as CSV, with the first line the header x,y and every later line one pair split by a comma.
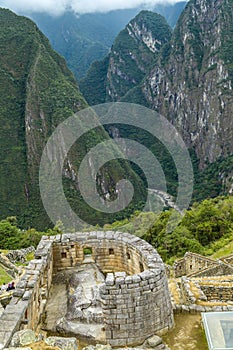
x,y
215,292
219,269
27,304
135,307
109,251
20,254
227,259
192,263
10,268
135,296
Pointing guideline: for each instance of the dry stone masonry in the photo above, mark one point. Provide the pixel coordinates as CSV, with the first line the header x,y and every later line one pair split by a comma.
x,y
134,295
205,284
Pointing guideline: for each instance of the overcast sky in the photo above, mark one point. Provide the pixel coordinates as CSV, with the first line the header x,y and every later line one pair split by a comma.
x,y
57,7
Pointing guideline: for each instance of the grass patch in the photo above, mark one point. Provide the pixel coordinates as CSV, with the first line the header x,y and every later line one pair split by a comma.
x,y
4,277
4,251
224,251
188,330
30,256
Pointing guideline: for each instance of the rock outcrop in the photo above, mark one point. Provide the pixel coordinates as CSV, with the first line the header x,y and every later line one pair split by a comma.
x,y
192,85
189,81
132,54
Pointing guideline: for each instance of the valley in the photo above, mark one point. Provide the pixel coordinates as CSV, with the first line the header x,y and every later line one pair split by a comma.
x,y
152,250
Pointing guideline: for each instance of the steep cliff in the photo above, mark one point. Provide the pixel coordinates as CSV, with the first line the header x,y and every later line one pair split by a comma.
x,y
134,51
191,84
37,92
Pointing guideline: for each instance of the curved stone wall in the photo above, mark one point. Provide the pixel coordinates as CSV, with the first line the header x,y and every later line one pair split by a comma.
x,y
135,297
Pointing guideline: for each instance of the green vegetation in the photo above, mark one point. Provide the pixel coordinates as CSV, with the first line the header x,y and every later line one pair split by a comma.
x,y
224,251
4,277
93,86
206,228
128,62
137,224
86,38
37,93
12,237
87,251
214,180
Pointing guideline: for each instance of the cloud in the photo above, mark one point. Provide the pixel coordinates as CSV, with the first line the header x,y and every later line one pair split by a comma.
x,y
56,7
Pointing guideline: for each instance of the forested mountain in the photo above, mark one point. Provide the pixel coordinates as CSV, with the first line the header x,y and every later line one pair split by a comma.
x,y
133,52
189,82
82,39
37,92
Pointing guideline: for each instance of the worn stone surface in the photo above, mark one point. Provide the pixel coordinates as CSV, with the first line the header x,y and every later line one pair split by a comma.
x,y
19,348
154,341
24,337
62,343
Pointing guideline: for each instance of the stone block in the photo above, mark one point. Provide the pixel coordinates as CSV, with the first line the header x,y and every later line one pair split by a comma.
x,y
27,295
118,342
62,343
22,338
154,341
110,280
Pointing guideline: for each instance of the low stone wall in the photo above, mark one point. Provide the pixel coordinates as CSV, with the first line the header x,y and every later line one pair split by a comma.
x,y
19,254
10,268
27,304
196,309
223,293
219,269
227,259
135,297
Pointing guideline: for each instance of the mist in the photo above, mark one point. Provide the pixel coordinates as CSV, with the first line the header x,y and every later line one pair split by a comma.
x,y
57,7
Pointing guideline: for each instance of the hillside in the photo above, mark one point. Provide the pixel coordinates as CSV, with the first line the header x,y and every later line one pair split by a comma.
x,y
133,52
82,39
30,74
206,228
37,92
189,82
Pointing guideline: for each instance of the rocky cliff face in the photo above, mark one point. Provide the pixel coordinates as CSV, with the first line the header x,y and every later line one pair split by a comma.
x,y
192,85
189,79
134,51
85,38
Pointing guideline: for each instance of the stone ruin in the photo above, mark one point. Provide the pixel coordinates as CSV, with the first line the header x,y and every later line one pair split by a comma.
x,y
202,284
128,303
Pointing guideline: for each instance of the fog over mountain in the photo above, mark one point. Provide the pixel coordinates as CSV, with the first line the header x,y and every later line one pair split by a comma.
x,y
57,7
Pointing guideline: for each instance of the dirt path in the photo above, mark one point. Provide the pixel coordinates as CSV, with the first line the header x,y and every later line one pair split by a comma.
x,y
187,334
